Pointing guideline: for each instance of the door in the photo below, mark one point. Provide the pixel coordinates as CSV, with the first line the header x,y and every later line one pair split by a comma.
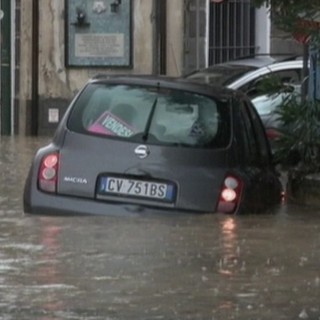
x,y
5,71
195,33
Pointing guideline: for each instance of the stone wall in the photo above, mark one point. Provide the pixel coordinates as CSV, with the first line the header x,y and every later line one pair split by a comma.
x,y
58,83
284,43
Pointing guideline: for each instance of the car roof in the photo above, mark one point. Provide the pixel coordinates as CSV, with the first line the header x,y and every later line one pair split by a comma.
x,y
234,74
264,70
263,60
256,62
219,92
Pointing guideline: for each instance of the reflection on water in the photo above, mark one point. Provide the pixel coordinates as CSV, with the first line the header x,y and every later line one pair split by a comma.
x,y
152,267
48,274
231,249
15,158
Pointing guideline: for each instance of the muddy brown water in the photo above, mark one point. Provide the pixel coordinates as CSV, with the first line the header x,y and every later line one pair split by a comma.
x,y
137,266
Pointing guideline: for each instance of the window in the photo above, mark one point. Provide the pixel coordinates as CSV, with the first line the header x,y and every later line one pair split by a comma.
x,y
251,147
272,82
257,146
153,115
231,30
259,133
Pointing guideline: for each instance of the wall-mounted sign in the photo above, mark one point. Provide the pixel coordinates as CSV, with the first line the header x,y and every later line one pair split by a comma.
x,y
53,115
98,33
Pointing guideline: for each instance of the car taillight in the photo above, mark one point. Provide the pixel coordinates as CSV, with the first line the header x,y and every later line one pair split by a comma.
x,y
230,194
48,173
273,134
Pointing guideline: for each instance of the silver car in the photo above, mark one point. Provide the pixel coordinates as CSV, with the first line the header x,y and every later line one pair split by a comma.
x,y
137,143
248,74
268,104
245,74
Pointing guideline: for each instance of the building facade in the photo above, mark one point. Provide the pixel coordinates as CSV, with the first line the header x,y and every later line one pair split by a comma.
x,y
50,48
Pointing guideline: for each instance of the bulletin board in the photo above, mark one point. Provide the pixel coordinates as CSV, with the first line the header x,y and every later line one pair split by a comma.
x,y
98,33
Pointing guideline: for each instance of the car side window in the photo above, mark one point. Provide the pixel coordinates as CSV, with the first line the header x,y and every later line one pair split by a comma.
x,y
257,86
259,132
250,143
289,76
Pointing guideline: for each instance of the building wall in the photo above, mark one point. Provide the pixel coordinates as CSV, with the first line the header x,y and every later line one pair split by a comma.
x,y
175,36
25,83
284,43
57,84
196,37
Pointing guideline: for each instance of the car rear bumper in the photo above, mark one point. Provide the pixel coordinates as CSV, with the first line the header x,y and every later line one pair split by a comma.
x,y
40,203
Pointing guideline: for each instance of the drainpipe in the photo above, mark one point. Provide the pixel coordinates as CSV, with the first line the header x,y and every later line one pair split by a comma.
x,y
154,20
159,16
35,69
197,35
13,68
163,36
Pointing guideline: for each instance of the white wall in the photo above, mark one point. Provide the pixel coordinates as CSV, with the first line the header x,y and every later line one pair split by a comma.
x,y
263,30
175,37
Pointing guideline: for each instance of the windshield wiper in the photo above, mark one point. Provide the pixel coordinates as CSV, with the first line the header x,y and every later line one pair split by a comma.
x,y
149,121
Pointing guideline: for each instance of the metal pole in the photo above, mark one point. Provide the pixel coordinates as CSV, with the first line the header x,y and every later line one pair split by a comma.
x,y
13,66
1,16
305,72
197,35
163,36
155,25
6,69
35,68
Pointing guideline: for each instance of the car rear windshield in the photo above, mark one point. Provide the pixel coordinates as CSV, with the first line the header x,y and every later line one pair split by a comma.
x,y
151,115
222,75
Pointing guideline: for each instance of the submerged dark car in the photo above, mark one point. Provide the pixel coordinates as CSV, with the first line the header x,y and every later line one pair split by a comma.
x,y
154,143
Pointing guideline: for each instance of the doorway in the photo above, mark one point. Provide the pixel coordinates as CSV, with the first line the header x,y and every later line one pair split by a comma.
x,y
5,68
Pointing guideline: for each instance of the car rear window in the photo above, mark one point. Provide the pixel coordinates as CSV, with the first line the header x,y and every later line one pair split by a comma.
x,y
153,115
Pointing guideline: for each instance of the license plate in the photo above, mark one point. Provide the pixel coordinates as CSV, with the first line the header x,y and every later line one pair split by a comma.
x,y
137,188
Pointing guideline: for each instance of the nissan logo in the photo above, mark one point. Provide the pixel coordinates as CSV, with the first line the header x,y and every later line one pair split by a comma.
x,y
142,151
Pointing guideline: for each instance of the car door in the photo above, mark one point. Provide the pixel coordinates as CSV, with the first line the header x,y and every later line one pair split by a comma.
x,y
265,187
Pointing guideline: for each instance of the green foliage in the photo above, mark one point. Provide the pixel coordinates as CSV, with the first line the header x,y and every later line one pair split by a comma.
x,y
271,84
300,134
287,14
300,118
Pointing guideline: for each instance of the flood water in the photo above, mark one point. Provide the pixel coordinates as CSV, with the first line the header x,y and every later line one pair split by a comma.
x,y
134,267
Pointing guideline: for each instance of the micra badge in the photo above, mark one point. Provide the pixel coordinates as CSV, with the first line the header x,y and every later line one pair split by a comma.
x,y
75,180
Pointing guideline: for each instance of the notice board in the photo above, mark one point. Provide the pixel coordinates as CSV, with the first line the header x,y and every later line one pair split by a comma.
x,y
98,33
